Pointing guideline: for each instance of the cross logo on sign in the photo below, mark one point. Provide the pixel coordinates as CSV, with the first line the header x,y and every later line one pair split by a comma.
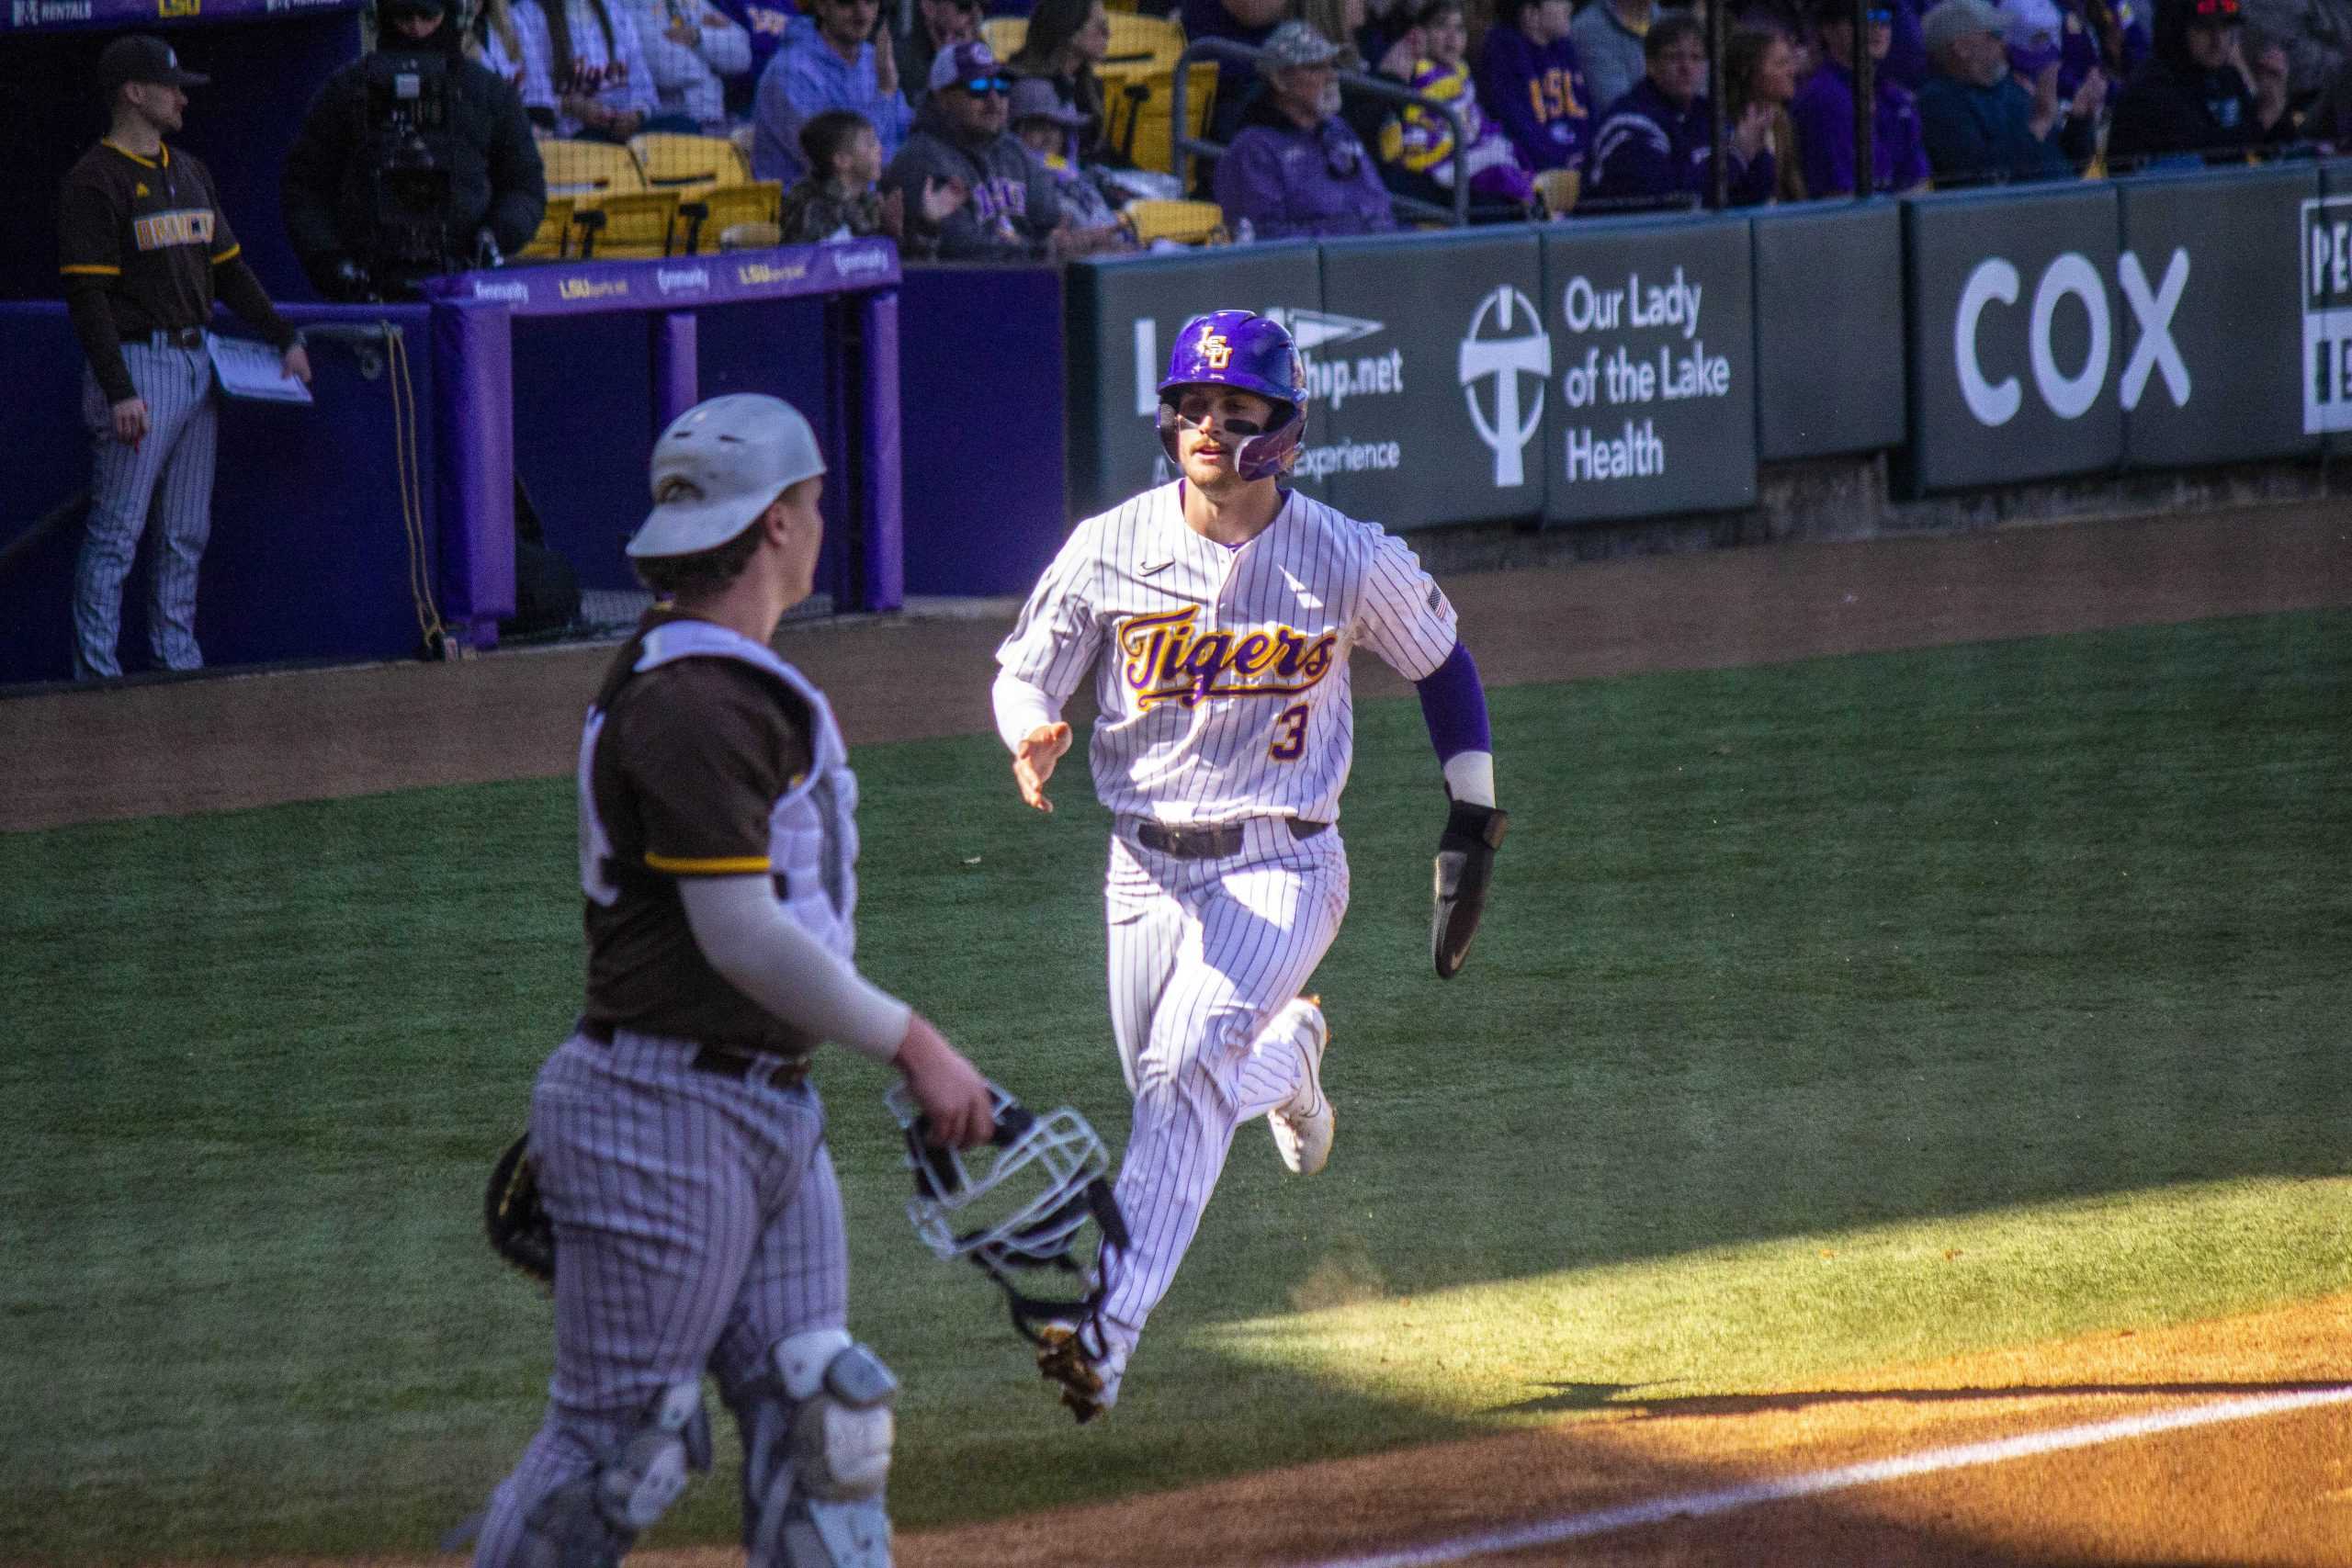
x,y
1504,360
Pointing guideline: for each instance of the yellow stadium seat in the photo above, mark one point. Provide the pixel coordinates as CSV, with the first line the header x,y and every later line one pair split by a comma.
x,y
627,225
705,215
590,168
1146,41
1140,109
671,159
554,238
1190,223
1558,187
1004,35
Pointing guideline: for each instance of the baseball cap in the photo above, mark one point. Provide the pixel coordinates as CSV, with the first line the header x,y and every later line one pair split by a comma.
x,y
718,466
969,61
142,57
2033,32
1952,20
1034,97
1294,44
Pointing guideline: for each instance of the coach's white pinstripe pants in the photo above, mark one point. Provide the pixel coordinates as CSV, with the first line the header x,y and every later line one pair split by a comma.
x,y
167,476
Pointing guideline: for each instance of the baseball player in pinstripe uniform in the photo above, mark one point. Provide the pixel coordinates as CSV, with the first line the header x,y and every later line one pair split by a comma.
x,y
1217,614
679,1146
145,248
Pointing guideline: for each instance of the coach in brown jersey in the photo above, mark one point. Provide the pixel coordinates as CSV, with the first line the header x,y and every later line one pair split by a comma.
x,y
144,248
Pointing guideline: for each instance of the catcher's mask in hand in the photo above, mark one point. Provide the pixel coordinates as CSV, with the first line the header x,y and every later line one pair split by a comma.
x,y
1022,1201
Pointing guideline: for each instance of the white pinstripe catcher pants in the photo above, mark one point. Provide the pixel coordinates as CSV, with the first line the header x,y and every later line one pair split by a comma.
x,y
697,1221
1202,954
167,476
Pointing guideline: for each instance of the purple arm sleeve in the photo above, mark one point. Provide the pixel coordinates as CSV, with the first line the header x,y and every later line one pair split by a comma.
x,y
1453,705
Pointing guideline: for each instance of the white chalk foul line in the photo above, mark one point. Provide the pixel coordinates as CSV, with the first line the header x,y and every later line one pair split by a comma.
x,y
1730,1499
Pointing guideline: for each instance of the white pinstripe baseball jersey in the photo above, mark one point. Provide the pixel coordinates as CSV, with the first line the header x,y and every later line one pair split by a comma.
x,y
1223,673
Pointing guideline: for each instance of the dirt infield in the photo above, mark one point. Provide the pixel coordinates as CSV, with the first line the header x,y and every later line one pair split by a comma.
x,y
213,744
2223,1466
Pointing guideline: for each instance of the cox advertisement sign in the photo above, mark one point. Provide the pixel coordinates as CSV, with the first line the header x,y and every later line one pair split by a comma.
x,y
2152,321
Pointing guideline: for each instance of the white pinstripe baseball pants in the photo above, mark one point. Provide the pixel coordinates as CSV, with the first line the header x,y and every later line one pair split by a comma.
x,y
697,1221
167,476
1202,954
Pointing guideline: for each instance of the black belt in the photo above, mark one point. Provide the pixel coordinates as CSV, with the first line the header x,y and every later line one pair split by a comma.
x,y
177,337
741,1062
1213,841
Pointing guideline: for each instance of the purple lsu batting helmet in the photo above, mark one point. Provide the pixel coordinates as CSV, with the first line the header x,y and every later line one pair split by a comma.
x,y
1252,354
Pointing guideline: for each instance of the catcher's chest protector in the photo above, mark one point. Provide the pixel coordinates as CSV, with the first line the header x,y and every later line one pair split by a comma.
x,y
812,828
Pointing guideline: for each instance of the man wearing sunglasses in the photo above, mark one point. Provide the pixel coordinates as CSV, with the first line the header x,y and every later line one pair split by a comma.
x,y
2194,99
1013,213
1823,109
842,60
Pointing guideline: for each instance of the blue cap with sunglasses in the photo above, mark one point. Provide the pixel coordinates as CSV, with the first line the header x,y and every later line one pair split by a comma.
x,y
971,65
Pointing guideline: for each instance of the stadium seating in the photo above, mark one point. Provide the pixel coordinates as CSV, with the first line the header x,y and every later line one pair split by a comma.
x,y
1188,222
1003,35
1140,88
670,159
705,215
553,240
627,225
590,168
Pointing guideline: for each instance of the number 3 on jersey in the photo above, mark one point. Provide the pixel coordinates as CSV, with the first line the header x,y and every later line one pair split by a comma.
x,y
1290,735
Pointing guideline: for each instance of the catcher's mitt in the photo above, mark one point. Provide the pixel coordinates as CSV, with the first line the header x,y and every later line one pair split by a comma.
x,y
520,1230
1466,864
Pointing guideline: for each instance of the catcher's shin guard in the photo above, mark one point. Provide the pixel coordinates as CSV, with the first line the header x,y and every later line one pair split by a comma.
x,y
820,1457
592,1522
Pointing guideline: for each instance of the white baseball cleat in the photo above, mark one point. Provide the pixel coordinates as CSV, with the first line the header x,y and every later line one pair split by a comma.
x,y
1303,1129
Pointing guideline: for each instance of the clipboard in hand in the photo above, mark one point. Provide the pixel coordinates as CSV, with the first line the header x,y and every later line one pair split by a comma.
x,y
246,368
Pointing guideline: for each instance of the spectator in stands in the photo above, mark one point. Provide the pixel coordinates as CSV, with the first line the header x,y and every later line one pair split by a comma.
x,y
1981,124
1066,42
1654,147
840,198
843,61
2112,35
1014,213
1529,79
765,24
511,42
1295,167
603,85
1824,110
1424,140
352,244
1348,24
2194,99
2036,43
2316,36
1609,37
693,51
1760,67
933,25
1250,22
1049,128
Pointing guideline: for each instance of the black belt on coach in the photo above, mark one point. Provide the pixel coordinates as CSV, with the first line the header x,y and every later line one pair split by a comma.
x,y
742,1064
178,337
1213,841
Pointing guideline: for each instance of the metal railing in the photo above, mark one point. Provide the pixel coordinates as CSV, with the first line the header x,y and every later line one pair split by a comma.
x,y
1184,145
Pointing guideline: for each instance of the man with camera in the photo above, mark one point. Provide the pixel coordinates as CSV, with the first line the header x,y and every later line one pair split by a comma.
x,y
412,163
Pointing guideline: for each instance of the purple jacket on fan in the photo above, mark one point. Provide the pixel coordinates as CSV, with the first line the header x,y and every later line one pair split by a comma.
x,y
1823,115
1286,181
1645,148
1537,95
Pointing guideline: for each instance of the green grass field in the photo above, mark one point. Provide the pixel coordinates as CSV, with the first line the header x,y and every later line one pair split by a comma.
x,y
2033,952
